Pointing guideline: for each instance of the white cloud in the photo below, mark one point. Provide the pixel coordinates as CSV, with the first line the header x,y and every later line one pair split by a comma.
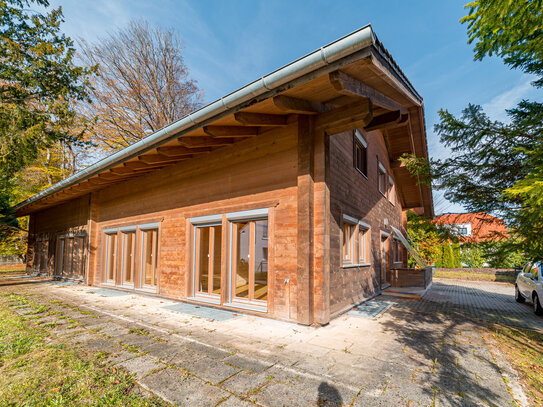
x,y
496,107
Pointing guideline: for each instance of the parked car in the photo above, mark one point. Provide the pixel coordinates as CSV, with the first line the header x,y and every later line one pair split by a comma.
x,y
529,285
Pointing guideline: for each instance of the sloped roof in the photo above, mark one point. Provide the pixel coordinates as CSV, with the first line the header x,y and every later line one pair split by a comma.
x,y
359,56
483,226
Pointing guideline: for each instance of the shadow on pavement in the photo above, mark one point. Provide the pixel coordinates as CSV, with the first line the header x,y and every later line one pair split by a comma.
x,y
329,396
456,364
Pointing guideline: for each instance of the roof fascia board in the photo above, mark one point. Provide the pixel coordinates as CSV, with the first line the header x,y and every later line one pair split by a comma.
x,y
341,52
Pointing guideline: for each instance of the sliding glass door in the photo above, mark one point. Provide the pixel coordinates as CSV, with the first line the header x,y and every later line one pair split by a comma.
x,y
208,260
249,274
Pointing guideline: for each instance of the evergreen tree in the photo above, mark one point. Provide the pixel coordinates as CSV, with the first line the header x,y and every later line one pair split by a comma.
x,y
497,167
39,84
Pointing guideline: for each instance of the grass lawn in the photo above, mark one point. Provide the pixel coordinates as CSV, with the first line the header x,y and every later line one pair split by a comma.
x,y
13,269
39,369
523,349
467,275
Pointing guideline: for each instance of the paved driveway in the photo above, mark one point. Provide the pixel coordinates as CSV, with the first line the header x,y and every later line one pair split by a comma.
x,y
430,352
484,301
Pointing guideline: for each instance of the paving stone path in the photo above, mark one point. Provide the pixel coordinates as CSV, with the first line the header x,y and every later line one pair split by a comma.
x,y
410,356
482,301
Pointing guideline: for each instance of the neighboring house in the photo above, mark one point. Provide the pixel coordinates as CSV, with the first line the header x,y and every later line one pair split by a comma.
x,y
473,227
278,199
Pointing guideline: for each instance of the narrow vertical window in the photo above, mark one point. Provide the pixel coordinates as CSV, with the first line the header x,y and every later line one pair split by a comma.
x,y
348,234
364,245
261,260
360,154
391,191
398,251
111,257
242,258
68,258
382,179
59,258
81,257
129,247
150,249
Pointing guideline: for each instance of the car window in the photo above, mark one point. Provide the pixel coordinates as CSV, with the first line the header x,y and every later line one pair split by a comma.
x,y
527,268
535,270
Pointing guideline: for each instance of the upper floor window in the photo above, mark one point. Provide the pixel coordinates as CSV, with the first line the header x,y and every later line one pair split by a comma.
x,y
360,153
391,191
382,179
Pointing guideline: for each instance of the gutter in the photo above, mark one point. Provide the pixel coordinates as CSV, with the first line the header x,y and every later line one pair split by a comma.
x,y
323,60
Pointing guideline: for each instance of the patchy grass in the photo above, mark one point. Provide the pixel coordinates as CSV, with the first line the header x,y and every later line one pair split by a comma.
x,y
467,275
37,369
139,331
523,349
13,269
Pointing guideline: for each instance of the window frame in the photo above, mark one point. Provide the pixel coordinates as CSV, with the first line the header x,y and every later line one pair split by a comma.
x,y
364,230
109,236
391,190
200,295
360,143
124,236
382,175
143,229
397,251
233,219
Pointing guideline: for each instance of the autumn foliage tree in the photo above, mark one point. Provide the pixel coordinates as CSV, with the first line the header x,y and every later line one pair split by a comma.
x,y
142,84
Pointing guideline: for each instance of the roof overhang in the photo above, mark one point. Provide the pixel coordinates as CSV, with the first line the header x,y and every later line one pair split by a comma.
x,y
336,80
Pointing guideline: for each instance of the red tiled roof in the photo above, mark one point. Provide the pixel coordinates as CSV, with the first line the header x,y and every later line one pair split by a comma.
x,y
484,227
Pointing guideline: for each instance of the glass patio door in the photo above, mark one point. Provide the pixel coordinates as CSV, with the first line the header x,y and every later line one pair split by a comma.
x,y
249,274
208,259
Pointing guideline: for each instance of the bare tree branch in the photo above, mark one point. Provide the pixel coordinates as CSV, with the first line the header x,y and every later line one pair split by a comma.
x,y
142,84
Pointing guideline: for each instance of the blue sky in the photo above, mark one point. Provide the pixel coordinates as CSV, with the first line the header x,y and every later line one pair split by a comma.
x,y
230,43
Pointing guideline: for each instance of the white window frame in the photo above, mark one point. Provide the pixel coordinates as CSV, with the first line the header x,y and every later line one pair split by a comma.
x,y
200,222
364,245
382,174
233,301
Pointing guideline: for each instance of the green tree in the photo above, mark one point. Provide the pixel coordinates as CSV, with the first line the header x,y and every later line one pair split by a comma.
x,y
494,166
427,238
447,260
472,255
39,83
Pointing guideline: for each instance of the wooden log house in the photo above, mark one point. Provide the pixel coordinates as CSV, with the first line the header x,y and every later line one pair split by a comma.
x,y
277,199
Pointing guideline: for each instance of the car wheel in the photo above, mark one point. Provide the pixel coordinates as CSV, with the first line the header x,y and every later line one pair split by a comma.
x,y
518,295
537,305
